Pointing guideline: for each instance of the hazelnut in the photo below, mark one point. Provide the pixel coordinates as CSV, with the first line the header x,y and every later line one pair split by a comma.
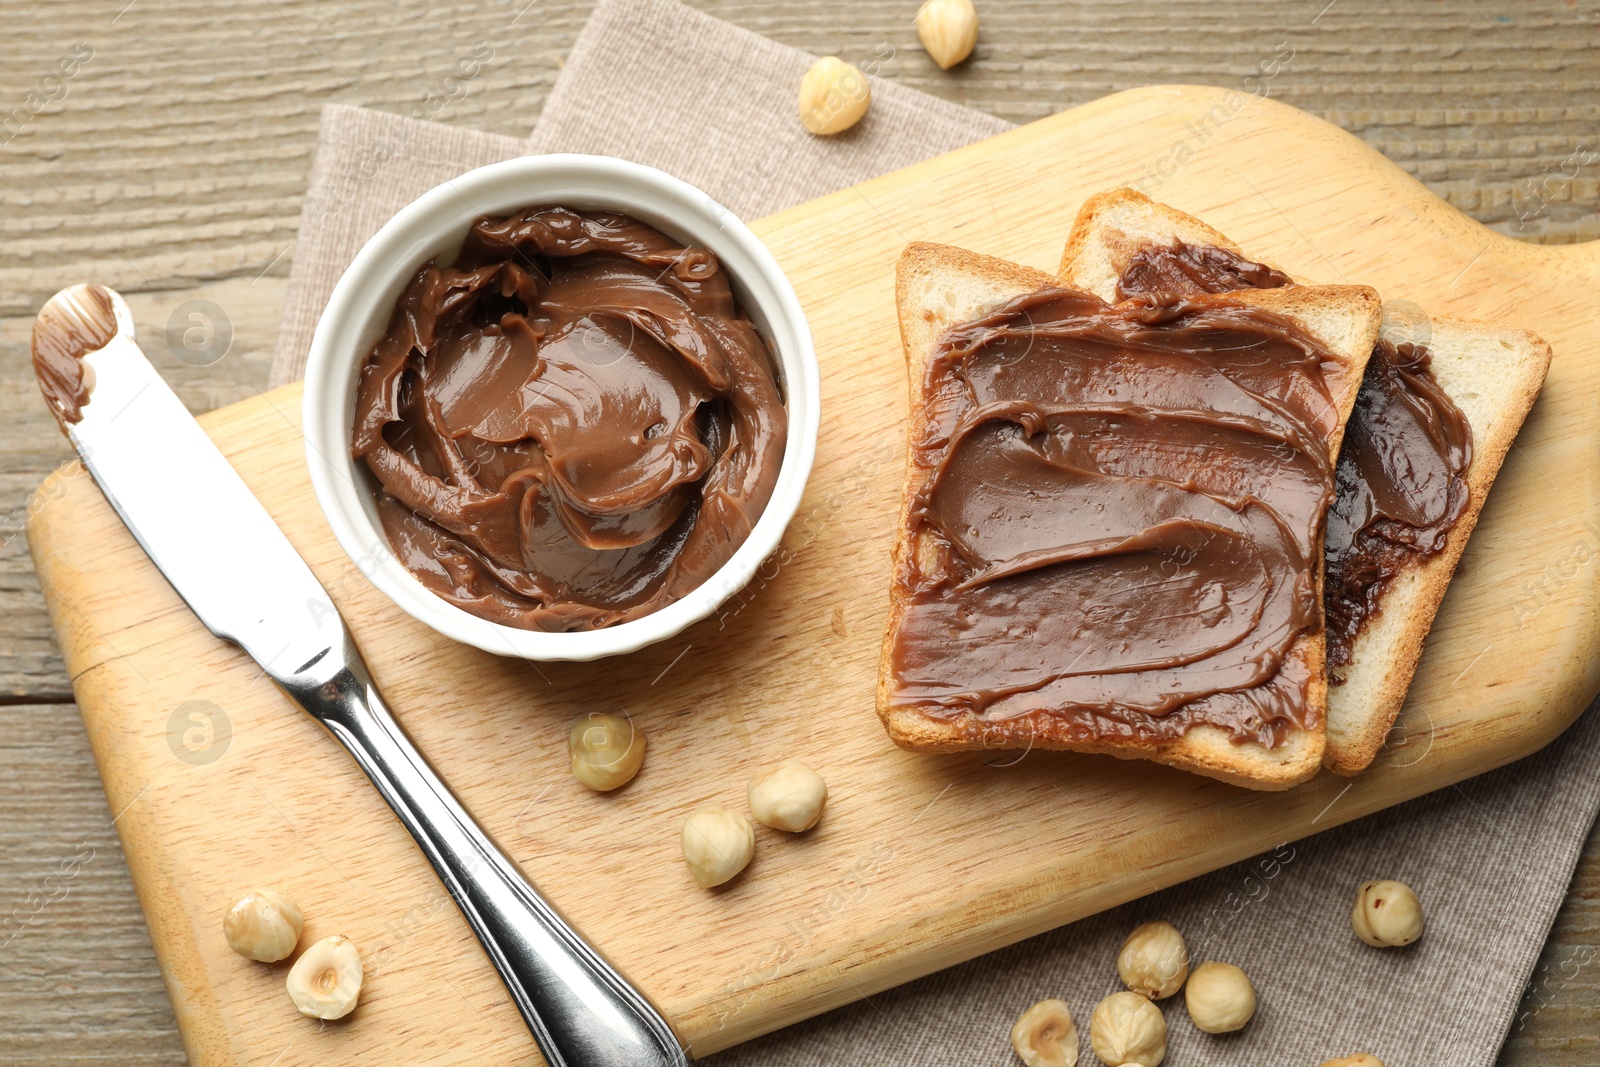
x,y
1220,998
1360,1059
606,751
325,981
1387,914
1127,1028
262,924
1045,1036
717,844
788,796
833,96
948,30
1154,960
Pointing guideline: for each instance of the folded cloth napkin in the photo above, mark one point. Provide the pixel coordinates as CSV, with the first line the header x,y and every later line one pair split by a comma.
x,y
1491,858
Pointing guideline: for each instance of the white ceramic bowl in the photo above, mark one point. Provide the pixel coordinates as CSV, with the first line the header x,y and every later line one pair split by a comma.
x,y
435,225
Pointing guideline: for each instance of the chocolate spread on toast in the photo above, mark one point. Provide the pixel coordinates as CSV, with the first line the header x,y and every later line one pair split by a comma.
x,y
573,424
1401,476
1115,516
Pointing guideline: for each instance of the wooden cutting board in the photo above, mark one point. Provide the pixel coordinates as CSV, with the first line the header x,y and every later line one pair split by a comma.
x,y
218,783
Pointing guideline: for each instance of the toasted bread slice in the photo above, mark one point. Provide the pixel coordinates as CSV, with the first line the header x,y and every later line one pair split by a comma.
x,y
1492,374
936,287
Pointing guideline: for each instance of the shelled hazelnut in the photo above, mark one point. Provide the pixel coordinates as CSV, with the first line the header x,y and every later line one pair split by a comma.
x,y
833,96
325,982
1045,1036
788,796
1127,1028
948,29
606,751
1387,914
1220,998
717,844
262,924
1154,960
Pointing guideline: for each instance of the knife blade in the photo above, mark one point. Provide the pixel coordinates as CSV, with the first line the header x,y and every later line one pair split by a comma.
x,y
223,554
193,515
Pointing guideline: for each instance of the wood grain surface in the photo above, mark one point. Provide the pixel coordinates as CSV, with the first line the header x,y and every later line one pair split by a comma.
x,y
173,165
805,635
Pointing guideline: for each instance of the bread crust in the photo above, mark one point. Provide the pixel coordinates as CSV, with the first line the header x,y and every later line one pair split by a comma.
x,y
1113,226
937,286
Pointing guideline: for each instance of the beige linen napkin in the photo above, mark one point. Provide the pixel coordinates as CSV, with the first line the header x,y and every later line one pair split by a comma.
x,y
1492,857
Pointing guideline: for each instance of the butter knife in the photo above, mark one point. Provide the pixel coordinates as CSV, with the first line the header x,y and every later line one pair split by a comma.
x,y
236,570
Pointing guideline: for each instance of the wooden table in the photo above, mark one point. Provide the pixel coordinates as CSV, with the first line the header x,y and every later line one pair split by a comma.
x,y
171,162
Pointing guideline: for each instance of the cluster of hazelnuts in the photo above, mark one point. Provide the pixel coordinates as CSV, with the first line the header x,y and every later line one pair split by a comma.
x,y
1129,1030
264,925
606,752
717,842
834,95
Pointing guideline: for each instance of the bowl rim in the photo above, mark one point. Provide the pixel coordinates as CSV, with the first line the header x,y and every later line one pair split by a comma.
x,y
433,223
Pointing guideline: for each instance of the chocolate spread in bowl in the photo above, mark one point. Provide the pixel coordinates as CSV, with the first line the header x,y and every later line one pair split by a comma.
x,y
1401,477
1115,515
572,425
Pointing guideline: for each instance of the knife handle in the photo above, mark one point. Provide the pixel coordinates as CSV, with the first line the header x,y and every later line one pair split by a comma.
x,y
581,1011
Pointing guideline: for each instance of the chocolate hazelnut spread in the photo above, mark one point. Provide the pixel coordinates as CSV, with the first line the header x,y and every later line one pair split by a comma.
x,y
1401,477
1115,513
75,323
573,425
1186,269
1401,486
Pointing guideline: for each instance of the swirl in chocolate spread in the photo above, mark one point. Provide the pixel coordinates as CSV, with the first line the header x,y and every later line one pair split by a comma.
x,y
76,322
1401,476
573,425
1401,486
1114,517
1186,269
